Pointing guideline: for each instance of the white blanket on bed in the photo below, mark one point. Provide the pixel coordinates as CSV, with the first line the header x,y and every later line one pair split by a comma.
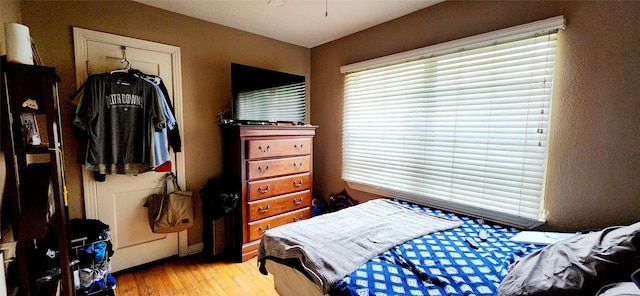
x,y
331,246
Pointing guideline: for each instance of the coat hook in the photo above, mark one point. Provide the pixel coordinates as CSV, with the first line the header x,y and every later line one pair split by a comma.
x,y
124,53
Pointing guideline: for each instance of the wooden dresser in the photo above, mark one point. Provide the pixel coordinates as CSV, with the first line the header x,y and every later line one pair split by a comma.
x,y
273,168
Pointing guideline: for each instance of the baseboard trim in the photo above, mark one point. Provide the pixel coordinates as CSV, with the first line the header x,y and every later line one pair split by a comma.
x,y
195,249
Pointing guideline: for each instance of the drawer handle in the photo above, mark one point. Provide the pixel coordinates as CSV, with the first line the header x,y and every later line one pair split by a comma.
x,y
298,147
297,184
263,170
295,219
264,190
297,165
265,149
265,209
297,202
264,229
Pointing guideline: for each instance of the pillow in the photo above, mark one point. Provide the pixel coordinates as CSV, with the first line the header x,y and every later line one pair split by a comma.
x,y
619,289
578,265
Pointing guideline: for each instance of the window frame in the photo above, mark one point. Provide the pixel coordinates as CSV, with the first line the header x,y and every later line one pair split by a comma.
x,y
479,41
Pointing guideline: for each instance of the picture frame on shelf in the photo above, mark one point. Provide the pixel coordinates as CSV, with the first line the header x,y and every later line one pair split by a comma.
x,y
29,128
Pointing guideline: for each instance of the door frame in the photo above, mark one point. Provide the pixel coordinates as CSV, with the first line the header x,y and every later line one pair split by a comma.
x,y
80,39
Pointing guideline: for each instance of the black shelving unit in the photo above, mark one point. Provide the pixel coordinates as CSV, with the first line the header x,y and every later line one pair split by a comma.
x,y
34,191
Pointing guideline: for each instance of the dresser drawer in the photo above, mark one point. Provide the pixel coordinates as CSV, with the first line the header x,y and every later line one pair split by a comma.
x,y
277,186
257,228
268,207
257,169
281,147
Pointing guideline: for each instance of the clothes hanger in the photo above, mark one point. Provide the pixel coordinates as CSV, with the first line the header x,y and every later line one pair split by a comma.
x,y
125,75
127,67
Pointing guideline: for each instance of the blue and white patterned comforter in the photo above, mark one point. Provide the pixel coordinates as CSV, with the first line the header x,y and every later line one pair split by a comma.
x,y
441,263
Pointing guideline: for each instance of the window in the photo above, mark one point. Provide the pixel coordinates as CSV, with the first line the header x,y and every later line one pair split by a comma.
x,y
461,126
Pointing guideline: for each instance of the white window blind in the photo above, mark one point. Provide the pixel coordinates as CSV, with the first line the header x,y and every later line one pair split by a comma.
x,y
284,103
463,128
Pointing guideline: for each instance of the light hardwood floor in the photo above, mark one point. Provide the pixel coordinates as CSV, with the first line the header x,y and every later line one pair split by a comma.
x,y
194,275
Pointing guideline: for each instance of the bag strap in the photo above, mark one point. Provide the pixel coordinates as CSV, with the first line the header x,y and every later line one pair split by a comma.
x,y
165,194
176,187
174,180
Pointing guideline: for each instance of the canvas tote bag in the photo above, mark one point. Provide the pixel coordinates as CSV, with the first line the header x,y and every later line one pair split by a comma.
x,y
170,211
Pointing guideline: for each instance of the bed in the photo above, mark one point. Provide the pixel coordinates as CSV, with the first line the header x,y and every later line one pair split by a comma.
x,y
438,263
446,262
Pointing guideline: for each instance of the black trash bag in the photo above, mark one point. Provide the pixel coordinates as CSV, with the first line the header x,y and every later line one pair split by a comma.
x,y
218,199
341,200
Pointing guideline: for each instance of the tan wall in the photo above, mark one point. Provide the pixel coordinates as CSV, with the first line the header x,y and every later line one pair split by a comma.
x,y
594,155
207,51
594,160
9,13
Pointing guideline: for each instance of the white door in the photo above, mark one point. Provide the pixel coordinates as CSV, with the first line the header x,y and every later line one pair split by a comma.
x,y
119,200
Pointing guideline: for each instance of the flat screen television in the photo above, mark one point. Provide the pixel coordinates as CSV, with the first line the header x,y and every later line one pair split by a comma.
x,y
262,96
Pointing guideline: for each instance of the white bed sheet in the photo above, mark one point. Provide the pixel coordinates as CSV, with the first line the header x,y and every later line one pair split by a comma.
x,y
291,282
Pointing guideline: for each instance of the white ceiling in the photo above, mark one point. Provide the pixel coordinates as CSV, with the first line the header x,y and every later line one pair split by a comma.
x,y
300,22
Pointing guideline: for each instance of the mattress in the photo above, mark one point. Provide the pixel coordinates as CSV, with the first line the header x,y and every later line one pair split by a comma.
x,y
288,281
440,263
